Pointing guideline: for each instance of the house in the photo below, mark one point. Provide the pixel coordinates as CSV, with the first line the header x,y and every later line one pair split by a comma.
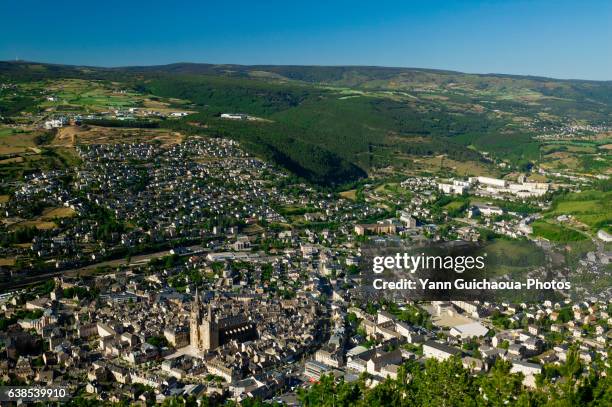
x,y
329,358
377,362
472,364
529,370
408,332
439,351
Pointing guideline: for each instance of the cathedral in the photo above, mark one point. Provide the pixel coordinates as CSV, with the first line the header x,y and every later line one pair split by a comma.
x,y
209,331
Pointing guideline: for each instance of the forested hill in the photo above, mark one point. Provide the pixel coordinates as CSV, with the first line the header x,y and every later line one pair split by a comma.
x,y
333,125
375,77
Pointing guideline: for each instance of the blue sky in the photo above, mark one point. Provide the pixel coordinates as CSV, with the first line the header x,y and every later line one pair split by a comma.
x,y
562,39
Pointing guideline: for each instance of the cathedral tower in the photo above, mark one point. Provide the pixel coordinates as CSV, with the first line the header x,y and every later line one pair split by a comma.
x,y
210,331
203,332
194,321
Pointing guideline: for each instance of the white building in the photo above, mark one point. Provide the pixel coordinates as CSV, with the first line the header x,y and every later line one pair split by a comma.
x,y
605,236
234,116
54,123
439,351
493,182
489,210
452,188
471,330
529,370
407,219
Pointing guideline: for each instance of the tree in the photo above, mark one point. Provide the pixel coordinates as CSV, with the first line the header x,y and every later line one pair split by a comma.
x,y
500,387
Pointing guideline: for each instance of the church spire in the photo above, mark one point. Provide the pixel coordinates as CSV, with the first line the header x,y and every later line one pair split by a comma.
x,y
195,305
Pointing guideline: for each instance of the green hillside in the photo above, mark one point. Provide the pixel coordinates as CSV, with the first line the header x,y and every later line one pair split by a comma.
x,y
334,125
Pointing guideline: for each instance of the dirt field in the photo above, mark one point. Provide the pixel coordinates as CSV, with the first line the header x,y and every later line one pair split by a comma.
x,y
7,261
16,142
445,320
470,168
70,136
62,212
14,160
350,194
44,221
38,224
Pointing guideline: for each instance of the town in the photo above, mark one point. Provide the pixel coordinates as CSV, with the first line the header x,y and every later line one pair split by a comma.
x,y
195,269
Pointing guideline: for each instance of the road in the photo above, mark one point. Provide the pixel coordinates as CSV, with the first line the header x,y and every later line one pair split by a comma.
x,y
134,261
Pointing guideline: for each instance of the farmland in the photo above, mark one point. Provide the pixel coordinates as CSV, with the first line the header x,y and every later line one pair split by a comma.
x,y
513,257
25,150
586,156
556,232
71,136
591,208
88,96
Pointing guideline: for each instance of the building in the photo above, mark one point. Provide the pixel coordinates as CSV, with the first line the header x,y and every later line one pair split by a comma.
x,y
210,332
314,370
234,116
407,219
382,359
439,351
333,359
605,236
54,123
217,368
177,337
493,182
457,187
375,228
528,189
529,370
486,210
471,330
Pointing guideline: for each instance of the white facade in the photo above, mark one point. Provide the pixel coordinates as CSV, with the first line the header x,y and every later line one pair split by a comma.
x,y
605,236
452,188
494,182
470,330
234,116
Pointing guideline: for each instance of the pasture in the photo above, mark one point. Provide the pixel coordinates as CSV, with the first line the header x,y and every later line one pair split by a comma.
x,y
555,232
593,208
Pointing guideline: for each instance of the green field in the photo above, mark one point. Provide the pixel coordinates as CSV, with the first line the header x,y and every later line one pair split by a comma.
x,y
555,232
512,257
454,205
593,208
6,132
89,96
